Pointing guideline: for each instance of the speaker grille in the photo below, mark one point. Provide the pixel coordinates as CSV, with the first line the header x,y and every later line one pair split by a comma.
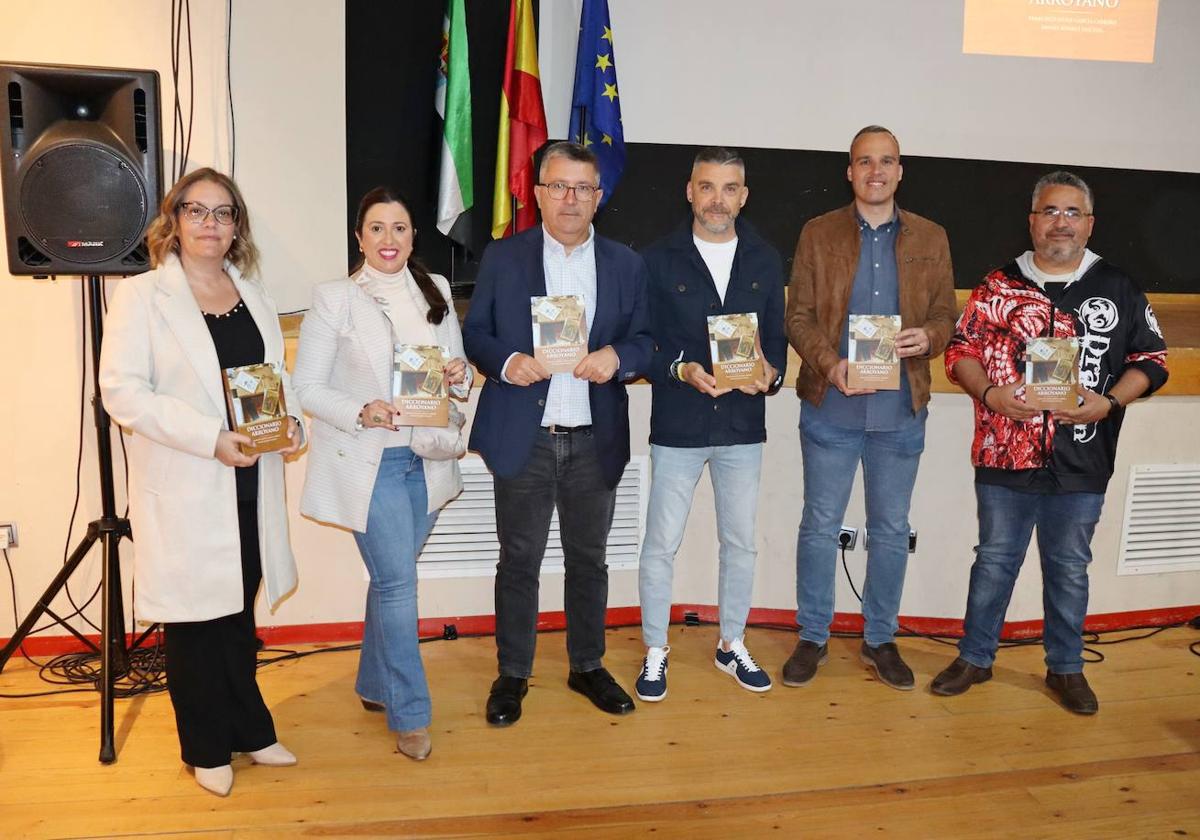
x,y
138,258
83,203
139,119
30,255
16,116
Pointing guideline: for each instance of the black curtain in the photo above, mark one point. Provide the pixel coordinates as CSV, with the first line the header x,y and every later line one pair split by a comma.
x,y
393,134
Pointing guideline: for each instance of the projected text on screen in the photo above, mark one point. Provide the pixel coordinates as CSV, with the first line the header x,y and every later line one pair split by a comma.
x,y
1096,30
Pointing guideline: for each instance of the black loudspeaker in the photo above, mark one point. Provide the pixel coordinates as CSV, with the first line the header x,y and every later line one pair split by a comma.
x,y
82,167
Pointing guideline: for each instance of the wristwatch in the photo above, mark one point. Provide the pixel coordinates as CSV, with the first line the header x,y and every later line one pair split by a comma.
x,y
776,384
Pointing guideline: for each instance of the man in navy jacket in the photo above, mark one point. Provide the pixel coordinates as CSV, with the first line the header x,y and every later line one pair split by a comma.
x,y
556,440
716,265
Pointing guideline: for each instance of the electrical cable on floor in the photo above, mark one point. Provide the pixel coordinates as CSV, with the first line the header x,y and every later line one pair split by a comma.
x,y
229,87
147,672
1090,637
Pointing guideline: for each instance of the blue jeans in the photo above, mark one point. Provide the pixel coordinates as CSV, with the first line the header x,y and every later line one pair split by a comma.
x,y
1065,524
389,668
676,470
831,455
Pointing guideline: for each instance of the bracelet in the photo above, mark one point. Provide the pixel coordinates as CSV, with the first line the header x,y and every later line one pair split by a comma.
x,y
677,370
1114,403
983,397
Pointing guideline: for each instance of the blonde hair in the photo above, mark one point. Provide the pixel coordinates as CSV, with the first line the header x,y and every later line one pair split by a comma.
x,y
162,237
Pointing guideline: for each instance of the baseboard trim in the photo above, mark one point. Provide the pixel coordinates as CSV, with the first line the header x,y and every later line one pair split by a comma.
x,y
485,625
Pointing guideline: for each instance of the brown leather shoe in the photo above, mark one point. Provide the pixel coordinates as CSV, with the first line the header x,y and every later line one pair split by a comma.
x,y
415,743
1074,693
802,665
889,667
957,677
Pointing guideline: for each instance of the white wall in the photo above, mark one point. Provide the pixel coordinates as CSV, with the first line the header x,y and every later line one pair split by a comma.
x,y
1156,431
807,74
791,85
289,80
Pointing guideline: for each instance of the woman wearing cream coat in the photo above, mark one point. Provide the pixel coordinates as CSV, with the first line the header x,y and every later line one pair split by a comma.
x,y
362,473
208,521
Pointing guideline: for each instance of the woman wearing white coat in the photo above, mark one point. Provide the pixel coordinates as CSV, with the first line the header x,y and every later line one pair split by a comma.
x,y
362,473
208,521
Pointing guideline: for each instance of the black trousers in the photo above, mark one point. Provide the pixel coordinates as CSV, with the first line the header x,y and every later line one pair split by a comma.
x,y
210,671
564,473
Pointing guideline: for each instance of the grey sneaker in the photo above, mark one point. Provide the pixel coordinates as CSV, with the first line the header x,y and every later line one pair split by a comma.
x,y
802,665
888,665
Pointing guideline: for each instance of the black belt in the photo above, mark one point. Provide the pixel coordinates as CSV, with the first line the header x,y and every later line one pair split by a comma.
x,y
556,429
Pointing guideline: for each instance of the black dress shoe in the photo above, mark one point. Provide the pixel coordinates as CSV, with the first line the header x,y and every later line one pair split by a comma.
x,y
504,700
1073,692
599,686
372,706
957,677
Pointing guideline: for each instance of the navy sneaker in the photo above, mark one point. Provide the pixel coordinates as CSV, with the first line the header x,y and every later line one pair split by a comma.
x,y
738,662
651,684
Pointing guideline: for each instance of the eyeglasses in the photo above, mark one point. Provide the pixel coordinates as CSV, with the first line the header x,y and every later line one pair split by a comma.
x,y
1071,214
558,191
196,213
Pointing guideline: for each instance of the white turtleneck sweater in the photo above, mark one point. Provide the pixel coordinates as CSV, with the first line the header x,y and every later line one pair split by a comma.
x,y
404,305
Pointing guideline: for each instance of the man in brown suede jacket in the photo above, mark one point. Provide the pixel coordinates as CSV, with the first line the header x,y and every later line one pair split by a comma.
x,y
869,258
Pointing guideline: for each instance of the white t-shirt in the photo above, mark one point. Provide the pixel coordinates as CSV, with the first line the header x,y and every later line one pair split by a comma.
x,y
1032,272
718,256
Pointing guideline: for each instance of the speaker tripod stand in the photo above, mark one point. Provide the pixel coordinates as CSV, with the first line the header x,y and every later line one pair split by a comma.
x,y
107,531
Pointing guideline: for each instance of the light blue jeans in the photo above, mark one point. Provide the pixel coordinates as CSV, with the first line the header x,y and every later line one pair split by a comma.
x,y
675,471
1065,524
831,455
389,667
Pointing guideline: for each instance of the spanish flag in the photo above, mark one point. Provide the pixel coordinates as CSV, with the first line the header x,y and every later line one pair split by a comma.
x,y
522,126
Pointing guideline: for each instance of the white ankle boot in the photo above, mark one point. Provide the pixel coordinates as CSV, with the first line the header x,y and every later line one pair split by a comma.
x,y
218,780
276,755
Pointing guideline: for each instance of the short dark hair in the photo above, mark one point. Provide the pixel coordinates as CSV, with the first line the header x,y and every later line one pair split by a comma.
x,y
570,151
438,306
1063,178
874,129
719,155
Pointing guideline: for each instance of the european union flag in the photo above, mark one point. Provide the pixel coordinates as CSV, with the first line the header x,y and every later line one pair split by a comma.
x,y
595,104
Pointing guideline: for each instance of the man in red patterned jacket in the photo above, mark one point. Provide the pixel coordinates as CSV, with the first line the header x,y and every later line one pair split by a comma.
x,y
1046,469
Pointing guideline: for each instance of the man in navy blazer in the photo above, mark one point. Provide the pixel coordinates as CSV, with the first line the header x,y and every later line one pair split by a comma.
x,y
556,440
715,265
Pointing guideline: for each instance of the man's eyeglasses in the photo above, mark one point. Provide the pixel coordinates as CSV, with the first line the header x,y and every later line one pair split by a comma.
x,y
1071,214
196,213
558,191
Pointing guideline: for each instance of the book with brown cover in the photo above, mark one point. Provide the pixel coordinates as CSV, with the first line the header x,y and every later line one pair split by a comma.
x,y
733,349
871,353
254,394
559,331
1051,373
419,385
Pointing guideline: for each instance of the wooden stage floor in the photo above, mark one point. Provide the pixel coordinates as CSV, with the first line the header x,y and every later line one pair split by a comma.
x,y
842,757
